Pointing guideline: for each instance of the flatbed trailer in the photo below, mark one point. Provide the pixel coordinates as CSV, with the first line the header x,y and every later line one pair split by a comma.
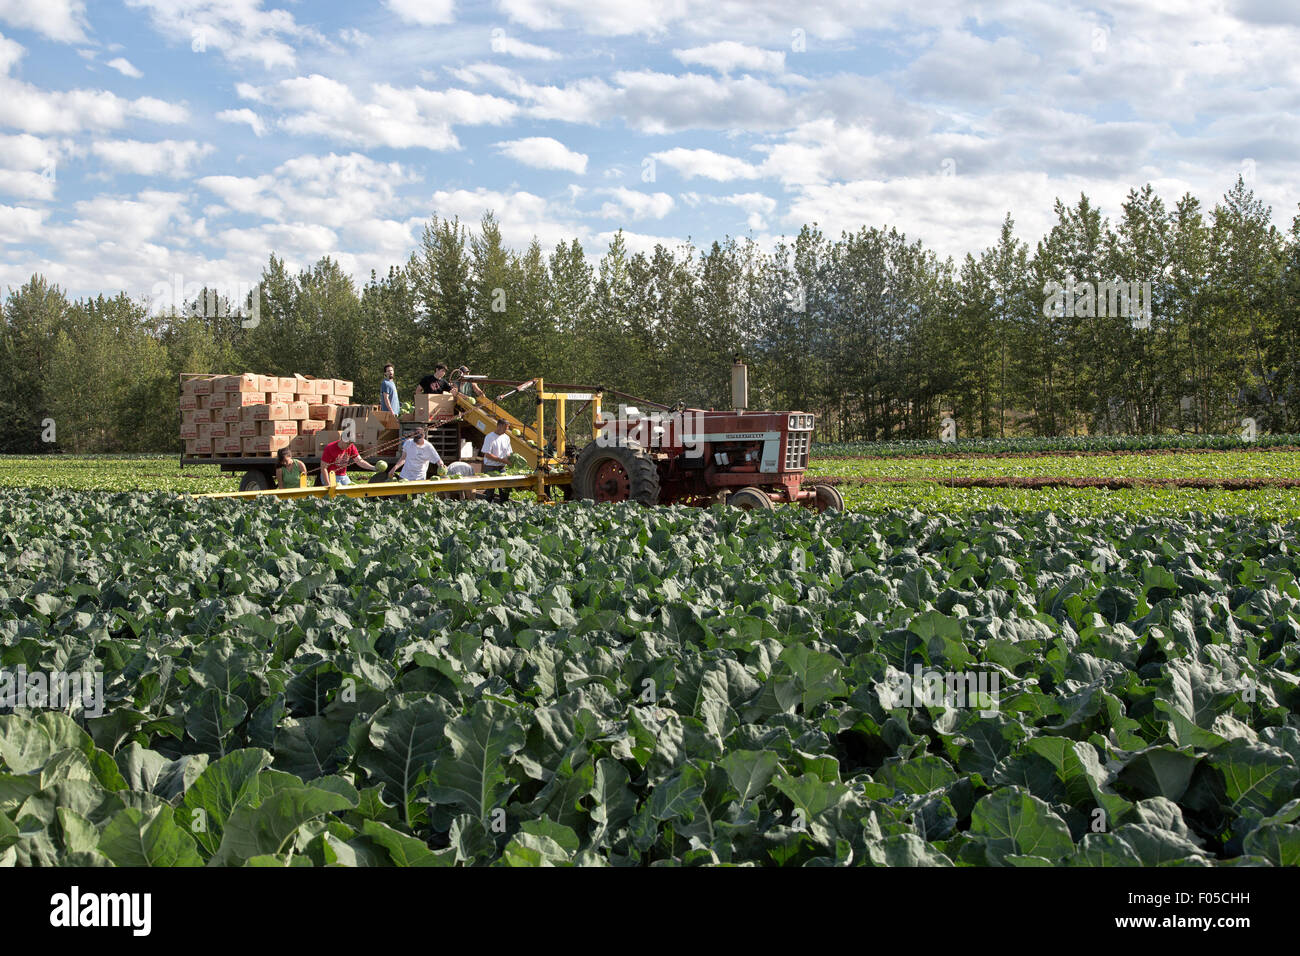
x,y
537,483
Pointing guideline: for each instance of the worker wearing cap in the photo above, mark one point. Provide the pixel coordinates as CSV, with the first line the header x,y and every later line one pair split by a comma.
x,y
496,455
417,455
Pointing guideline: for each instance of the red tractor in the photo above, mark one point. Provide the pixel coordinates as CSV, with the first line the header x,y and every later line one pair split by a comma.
x,y
693,456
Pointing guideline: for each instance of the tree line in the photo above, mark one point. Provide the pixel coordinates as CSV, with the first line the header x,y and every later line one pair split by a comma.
x,y
873,332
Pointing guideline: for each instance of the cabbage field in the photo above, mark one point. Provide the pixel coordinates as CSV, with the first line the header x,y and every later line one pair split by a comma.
x,y
426,683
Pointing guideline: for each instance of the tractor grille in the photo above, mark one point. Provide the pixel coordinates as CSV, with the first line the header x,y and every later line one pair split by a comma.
x,y
796,450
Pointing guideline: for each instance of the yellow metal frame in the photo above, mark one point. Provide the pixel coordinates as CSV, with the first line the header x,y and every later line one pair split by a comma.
x,y
385,489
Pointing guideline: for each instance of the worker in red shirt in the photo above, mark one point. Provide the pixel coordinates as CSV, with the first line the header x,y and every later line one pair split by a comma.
x,y
335,460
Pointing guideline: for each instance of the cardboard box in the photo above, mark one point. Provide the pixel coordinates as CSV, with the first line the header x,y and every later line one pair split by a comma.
x,y
204,386
310,426
248,428
340,386
228,415
245,399
205,430
283,397
190,401
285,384
269,412
189,430
202,447
267,383
276,428
265,444
322,413
248,382
302,445
310,386
298,410
431,407
228,446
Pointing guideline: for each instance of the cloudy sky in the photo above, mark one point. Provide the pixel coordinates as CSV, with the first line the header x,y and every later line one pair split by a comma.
x,y
146,142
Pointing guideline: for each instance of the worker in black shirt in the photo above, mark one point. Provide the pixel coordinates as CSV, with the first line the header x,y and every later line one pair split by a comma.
x,y
435,384
439,384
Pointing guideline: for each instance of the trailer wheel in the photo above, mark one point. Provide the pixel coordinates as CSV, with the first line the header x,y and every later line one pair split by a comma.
x,y
615,473
828,498
750,498
255,479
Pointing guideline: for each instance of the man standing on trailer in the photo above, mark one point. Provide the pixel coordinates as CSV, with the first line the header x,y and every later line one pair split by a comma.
x,y
388,392
417,455
335,460
496,455
435,384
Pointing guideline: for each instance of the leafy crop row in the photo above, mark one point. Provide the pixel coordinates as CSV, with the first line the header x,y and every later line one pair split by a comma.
x,y
316,683
1221,466
1136,504
1079,443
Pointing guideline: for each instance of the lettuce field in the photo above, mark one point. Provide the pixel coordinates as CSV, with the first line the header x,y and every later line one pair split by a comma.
x,y
425,683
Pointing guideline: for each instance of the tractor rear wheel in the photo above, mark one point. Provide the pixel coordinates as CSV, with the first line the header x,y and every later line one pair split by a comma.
x,y
750,498
615,473
255,479
828,498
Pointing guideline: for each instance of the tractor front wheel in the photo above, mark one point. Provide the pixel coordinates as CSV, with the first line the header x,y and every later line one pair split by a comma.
x,y
615,473
750,498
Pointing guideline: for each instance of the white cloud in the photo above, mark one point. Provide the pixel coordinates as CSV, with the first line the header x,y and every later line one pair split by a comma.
x,y
63,20
518,48
11,51
238,29
19,223
25,107
28,166
168,157
244,116
123,66
522,215
633,204
706,163
542,152
425,13
402,118
728,55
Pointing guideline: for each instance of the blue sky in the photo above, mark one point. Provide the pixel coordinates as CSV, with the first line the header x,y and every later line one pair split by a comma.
x,y
146,141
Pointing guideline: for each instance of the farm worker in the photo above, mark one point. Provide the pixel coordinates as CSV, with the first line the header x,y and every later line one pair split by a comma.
x,y
388,392
416,457
292,471
496,455
435,384
335,460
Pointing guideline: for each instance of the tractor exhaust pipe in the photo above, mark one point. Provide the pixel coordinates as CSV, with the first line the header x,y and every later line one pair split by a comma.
x,y
739,385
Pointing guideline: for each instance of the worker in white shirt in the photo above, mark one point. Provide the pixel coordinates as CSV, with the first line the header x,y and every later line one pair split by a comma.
x,y
496,455
416,457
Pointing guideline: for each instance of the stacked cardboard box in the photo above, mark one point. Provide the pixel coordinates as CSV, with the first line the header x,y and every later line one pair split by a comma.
x,y
253,415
